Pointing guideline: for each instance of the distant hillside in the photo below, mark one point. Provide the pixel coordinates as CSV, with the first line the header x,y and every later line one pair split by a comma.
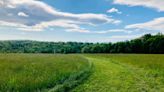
x,y
145,44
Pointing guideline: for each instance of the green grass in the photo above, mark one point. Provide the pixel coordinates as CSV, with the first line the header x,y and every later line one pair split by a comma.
x,y
40,72
62,73
125,73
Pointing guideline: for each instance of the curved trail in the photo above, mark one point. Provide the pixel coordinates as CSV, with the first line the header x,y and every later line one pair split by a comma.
x,y
111,76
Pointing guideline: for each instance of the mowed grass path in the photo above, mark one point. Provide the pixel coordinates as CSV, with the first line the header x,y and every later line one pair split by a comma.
x,y
117,73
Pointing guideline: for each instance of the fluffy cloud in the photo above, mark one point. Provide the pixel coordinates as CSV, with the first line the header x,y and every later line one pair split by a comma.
x,y
125,37
114,10
157,4
22,14
78,30
34,14
99,32
113,31
117,38
114,38
153,25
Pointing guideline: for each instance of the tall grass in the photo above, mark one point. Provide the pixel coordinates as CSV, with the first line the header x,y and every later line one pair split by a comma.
x,y
37,72
146,61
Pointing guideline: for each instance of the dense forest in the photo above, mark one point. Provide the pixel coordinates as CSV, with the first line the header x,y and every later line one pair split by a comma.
x,y
145,44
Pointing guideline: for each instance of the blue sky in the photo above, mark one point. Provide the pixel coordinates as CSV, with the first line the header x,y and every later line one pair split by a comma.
x,y
80,20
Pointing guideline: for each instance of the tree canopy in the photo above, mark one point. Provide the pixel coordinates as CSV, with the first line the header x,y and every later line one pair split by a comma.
x,y
145,44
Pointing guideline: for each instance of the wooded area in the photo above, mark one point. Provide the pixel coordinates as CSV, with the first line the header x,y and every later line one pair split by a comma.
x,y
145,44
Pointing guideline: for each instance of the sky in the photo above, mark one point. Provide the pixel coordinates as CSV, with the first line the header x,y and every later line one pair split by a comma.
x,y
80,20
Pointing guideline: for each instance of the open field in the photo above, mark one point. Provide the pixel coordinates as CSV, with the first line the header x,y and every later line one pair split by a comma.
x,y
125,73
40,72
62,73
81,45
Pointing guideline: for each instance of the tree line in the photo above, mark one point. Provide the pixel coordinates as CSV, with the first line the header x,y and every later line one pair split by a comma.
x,y
146,44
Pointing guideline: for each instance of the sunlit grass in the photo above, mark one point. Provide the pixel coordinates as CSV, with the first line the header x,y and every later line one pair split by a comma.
x,y
37,72
125,73
148,61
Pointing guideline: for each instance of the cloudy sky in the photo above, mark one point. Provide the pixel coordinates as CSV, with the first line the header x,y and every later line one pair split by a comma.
x,y
80,20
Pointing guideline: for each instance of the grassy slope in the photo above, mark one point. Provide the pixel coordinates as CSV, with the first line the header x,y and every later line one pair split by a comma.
x,y
31,72
117,73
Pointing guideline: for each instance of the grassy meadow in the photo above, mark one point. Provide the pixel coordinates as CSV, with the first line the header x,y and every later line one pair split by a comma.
x,y
82,73
125,73
40,72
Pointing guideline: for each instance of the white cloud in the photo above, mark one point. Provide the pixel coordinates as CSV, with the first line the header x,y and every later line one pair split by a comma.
x,y
114,10
117,22
10,6
78,30
114,38
124,37
156,4
156,24
118,38
22,14
58,23
39,16
113,31
70,26
99,32
3,23
1,3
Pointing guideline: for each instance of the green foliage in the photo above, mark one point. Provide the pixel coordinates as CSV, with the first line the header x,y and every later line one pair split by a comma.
x,y
41,72
145,44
